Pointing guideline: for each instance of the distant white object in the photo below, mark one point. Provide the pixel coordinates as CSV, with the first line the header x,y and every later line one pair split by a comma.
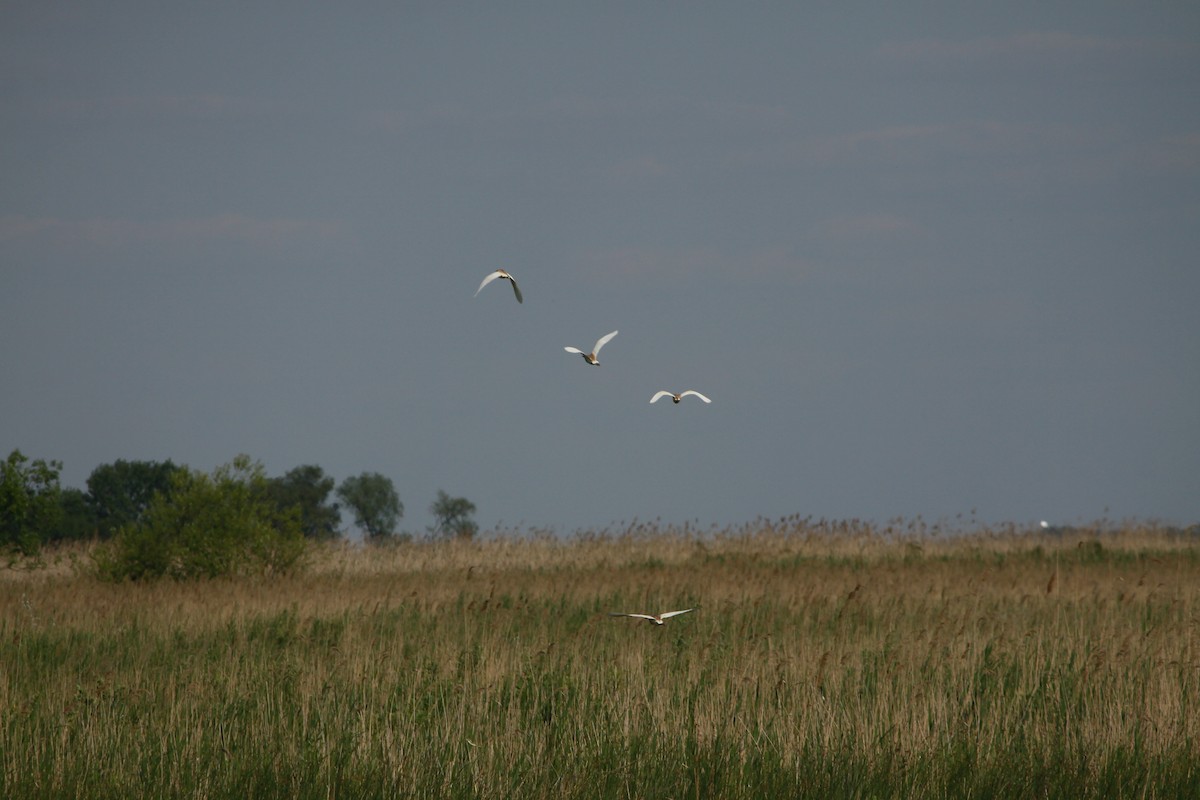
x,y
1045,524
501,274
657,619
675,398
591,357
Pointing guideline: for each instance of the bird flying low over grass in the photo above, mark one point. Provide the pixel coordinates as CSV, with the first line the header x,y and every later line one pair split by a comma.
x,y
591,357
675,398
657,619
501,274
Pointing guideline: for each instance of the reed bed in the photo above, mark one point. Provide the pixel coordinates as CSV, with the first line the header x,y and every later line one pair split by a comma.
x,y
825,660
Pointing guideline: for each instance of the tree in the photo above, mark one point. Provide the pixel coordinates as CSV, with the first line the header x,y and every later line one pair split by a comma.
x,y
206,526
373,499
77,520
29,502
120,493
453,515
306,488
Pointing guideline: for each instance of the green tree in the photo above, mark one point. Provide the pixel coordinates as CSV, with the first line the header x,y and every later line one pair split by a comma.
x,y
306,488
77,520
120,492
373,499
205,526
29,502
453,516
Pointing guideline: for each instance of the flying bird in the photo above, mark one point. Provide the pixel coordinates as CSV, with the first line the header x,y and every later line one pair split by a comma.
x,y
501,274
657,619
591,357
675,398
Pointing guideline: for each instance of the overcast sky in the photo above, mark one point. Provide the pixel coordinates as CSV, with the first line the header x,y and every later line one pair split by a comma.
x,y
926,259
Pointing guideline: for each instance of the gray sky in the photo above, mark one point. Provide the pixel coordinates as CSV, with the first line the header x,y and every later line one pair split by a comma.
x,y
925,258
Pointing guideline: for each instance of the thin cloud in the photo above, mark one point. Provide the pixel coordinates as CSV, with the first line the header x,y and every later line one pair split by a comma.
x,y
581,112
121,233
634,169
672,264
1029,44
813,150
970,135
186,106
914,142
17,227
868,225
1172,153
898,133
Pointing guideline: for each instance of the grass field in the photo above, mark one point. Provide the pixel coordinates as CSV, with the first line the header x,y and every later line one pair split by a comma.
x,y
825,660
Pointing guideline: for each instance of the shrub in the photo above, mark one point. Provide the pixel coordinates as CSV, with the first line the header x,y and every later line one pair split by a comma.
x,y
29,502
207,526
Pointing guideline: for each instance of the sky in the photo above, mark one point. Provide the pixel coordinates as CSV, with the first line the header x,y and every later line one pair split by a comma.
x,y
927,259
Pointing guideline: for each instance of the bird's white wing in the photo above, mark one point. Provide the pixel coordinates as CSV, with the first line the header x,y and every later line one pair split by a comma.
x,y
605,339
693,391
488,280
674,613
639,616
575,350
516,290
659,396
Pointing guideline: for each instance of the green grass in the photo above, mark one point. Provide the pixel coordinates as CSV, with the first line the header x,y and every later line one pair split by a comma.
x,y
819,665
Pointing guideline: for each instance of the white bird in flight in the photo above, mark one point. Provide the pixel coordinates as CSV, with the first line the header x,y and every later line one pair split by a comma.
x,y
657,619
591,357
675,398
501,274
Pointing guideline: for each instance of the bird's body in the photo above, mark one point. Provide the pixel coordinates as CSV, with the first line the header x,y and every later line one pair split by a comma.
x,y
655,619
501,274
675,398
591,357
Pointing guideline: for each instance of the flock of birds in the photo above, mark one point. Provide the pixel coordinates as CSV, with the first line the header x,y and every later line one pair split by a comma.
x,y
593,359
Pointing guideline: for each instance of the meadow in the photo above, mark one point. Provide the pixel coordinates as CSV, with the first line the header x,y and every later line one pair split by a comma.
x,y
824,660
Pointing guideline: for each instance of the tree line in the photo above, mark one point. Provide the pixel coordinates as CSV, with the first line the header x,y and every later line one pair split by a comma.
x,y
161,509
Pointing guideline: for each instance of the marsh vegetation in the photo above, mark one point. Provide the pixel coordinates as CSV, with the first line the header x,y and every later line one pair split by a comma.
x,y
825,660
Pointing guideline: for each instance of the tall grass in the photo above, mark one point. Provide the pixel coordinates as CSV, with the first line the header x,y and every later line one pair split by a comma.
x,y
825,661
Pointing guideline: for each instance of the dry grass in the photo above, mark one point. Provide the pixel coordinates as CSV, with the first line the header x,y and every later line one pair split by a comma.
x,y
826,660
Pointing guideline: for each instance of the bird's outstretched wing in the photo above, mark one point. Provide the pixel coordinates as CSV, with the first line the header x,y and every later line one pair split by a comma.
x,y
659,395
574,350
491,277
638,616
667,614
605,339
693,391
516,289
